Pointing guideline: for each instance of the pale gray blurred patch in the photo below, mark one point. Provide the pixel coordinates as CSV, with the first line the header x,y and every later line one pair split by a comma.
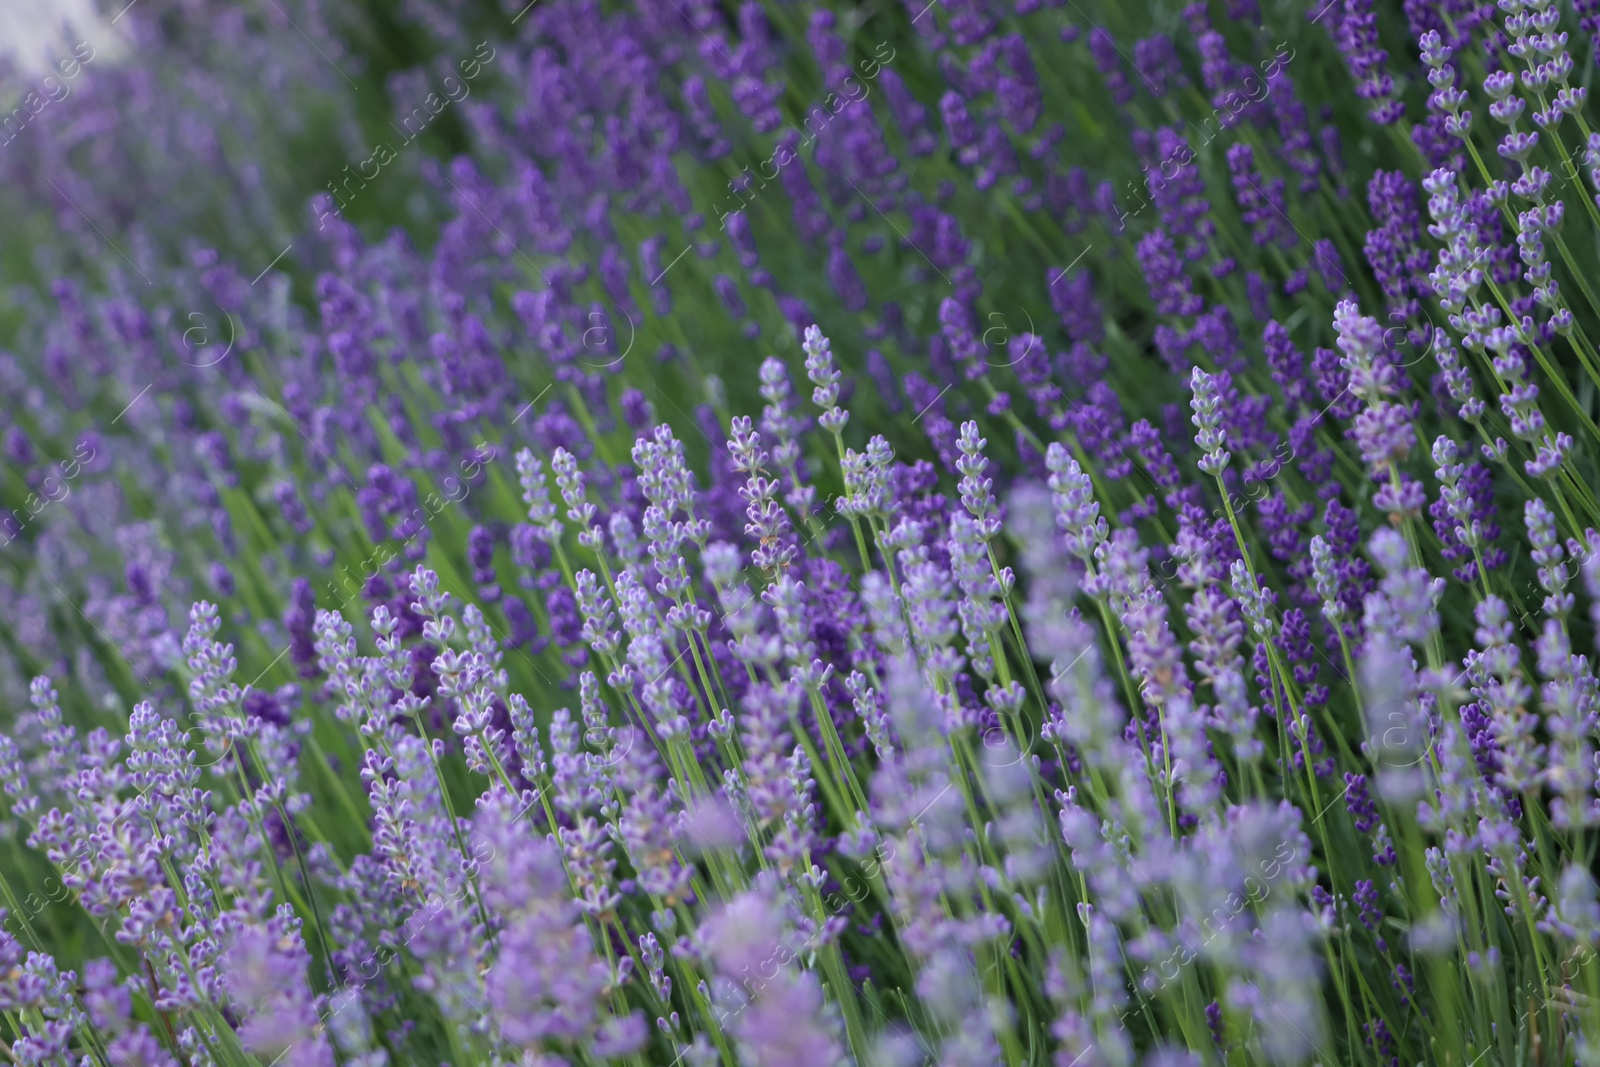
x,y
35,32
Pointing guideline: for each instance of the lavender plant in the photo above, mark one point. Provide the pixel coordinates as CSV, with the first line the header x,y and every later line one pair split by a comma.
x,y
973,533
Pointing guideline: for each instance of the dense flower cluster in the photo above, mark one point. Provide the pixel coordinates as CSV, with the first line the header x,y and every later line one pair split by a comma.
x,y
776,534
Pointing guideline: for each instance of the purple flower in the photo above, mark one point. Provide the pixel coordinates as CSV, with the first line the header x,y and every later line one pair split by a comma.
x,y
1208,421
1260,199
266,976
1170,287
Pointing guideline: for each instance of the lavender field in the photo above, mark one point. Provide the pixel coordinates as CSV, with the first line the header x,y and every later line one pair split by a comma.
x,y
790,534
